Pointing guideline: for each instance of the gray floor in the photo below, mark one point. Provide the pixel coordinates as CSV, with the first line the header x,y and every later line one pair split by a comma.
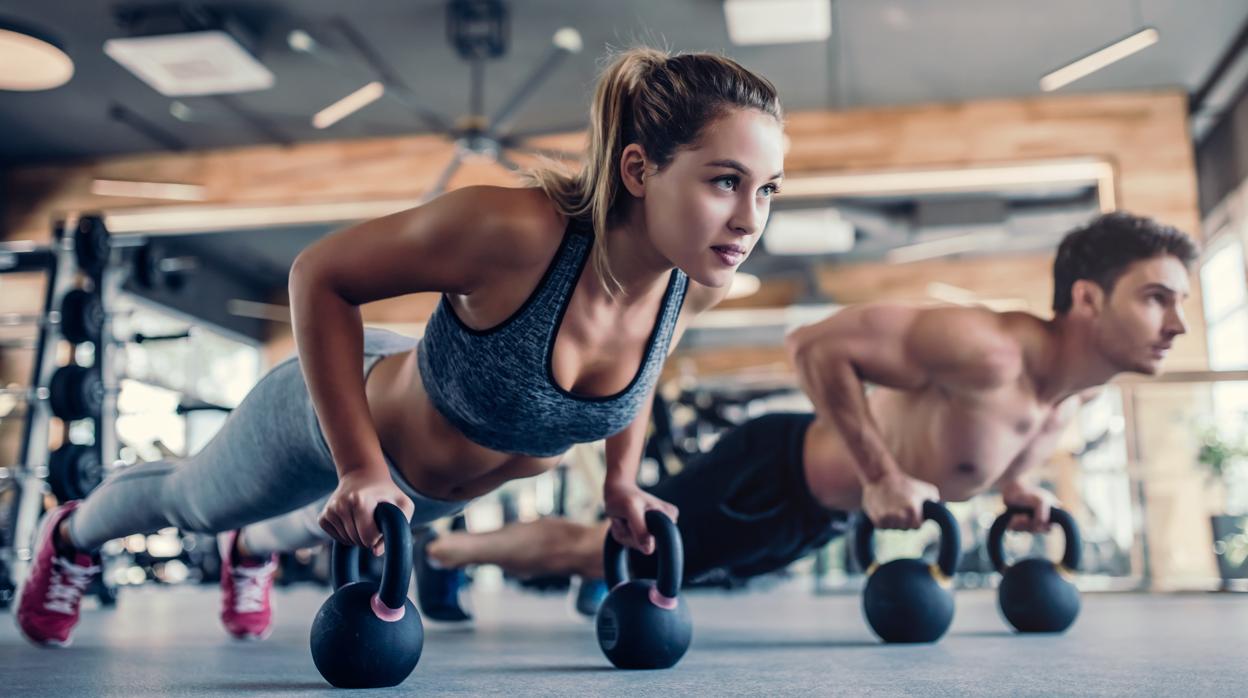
x,y
166,642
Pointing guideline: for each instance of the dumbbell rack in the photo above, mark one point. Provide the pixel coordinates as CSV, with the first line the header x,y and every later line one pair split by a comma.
x,y
86,250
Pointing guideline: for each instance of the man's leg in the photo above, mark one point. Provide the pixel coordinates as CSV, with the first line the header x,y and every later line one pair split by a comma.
x,y
546,546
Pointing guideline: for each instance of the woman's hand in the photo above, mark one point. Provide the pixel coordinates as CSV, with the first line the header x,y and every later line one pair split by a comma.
x,y
348,515
626,506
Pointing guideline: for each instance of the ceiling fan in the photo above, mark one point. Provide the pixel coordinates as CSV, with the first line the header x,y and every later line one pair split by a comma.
x,y
478,29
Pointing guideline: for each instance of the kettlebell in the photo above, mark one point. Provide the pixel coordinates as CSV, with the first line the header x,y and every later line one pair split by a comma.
x,y
643,623
910,599
1037,595
366,635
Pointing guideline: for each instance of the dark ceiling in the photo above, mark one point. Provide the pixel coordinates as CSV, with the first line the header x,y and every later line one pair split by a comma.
x,y
882,52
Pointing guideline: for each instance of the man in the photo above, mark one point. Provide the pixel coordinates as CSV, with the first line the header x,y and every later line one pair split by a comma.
x,y
965,399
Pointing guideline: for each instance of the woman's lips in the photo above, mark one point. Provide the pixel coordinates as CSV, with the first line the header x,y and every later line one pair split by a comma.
x,y
730,255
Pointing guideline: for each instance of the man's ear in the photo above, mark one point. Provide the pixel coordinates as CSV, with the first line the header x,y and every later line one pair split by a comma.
x,y
633,166
1087,298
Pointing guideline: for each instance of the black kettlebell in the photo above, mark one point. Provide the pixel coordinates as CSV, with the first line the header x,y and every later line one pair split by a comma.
x,y
910,600
643,623
1037,595
365,636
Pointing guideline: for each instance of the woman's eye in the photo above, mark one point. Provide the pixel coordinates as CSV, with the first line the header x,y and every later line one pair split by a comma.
x,y
728,180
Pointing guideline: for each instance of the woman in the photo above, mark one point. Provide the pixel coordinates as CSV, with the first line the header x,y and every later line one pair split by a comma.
x,y
560,304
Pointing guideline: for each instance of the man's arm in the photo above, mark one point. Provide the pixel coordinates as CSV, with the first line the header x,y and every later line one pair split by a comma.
x,y
1016,485
906,348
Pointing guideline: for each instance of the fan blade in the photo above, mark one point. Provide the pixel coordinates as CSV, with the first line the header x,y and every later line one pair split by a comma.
x,y
404,95
552,153
444,178
556,130
507,162
565,41
395,87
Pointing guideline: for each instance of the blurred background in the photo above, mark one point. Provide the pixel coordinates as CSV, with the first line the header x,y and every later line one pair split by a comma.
x,y
936,152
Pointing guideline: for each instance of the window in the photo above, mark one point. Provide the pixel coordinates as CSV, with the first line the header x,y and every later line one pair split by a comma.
x,y
1225,294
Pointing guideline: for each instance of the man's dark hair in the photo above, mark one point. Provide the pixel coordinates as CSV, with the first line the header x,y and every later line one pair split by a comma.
x,y
1102,250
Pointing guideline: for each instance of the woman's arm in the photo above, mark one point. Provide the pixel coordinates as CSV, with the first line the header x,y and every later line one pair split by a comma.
x,y
450,244
625,502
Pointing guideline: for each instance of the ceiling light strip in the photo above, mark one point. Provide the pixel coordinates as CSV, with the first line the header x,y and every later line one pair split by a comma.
x,y
148,190
349,105
945,180
180,220
1093,62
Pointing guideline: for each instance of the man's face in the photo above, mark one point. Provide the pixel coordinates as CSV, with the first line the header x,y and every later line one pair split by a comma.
x,y
1142,315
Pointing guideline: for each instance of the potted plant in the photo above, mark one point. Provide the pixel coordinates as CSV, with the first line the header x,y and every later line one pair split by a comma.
x,y
1224,460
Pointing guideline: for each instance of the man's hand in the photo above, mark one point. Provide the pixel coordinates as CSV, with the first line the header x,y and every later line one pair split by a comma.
x,y
896,501
1038,499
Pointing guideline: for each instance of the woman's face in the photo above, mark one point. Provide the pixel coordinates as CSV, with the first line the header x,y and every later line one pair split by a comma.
x,y
705,211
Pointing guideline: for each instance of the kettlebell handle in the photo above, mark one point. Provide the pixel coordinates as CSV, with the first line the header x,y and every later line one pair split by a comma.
x,y
950,538
996,536
667,546
397,567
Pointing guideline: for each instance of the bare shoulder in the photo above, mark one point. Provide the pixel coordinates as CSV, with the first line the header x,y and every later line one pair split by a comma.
x,y
978,326
518,227
1030,333
1023,328
987,346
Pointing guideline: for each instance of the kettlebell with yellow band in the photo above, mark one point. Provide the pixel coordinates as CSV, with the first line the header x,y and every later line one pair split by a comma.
x,y
910,600
1037,595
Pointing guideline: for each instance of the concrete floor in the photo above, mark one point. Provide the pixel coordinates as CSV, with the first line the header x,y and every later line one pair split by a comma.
x,y
166,642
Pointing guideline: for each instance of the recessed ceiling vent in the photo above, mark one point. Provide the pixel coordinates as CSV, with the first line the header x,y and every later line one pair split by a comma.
x,y
187,52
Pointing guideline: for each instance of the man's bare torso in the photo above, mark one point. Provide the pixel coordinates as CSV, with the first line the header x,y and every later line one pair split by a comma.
x,y
961,441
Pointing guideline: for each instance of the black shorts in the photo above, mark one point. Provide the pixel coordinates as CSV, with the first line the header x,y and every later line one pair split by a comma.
x,y
745,507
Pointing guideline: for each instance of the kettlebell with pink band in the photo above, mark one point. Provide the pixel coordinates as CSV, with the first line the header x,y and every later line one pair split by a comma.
x,y
368,635
643,623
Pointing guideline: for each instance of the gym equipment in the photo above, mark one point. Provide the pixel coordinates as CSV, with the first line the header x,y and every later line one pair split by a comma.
x,y
643,623
366,635
140,338
73,471
154,270
75,313
75,392
82,316
910,600
80,319
1036,594
91,245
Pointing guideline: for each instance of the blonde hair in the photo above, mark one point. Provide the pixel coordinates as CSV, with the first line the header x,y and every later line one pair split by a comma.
x,y
661,102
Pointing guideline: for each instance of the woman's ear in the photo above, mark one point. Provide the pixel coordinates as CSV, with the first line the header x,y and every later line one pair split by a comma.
x,y
633,167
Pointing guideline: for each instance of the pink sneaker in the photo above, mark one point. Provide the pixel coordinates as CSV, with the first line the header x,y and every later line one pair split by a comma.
x,y
246,609
47,607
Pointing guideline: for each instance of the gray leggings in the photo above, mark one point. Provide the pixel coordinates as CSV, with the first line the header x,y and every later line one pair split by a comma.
x,y
267,471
